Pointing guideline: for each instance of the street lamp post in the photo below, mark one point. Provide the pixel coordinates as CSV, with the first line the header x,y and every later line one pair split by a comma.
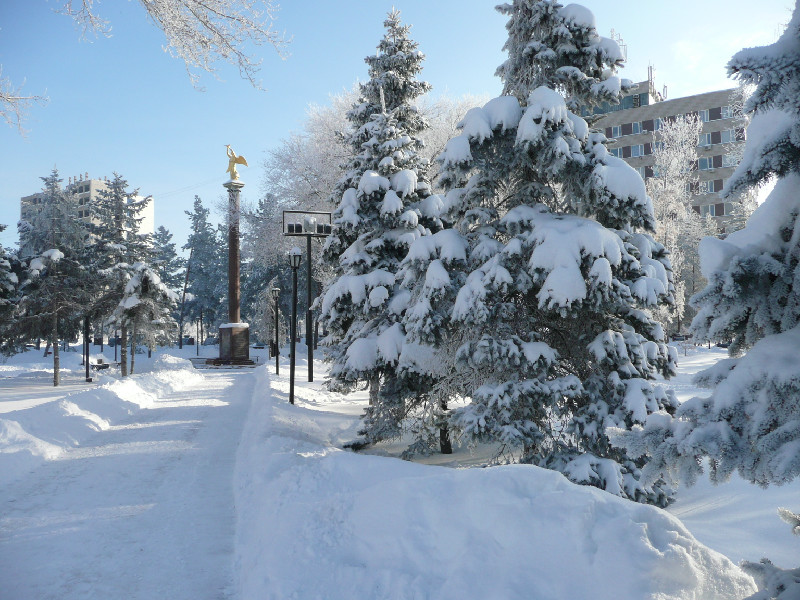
x,y
295,256
312,224
309,318
276,292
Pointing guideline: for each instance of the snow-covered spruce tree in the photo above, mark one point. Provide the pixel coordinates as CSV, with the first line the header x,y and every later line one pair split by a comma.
x,y
207,280
170,267
56,290
117,245
361,307
10,271
751,422
383,205
392,87
146,309
166,262
549,269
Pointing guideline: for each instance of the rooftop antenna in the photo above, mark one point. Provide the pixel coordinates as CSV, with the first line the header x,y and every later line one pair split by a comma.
x,y
623,47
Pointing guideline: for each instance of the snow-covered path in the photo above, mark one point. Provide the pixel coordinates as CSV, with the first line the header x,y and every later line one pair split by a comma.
x,y
144,510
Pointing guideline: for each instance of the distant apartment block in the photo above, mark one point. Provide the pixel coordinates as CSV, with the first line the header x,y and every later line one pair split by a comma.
x,y
86,190
631,125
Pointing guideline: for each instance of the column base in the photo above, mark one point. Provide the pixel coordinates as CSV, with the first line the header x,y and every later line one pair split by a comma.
x,y
234,345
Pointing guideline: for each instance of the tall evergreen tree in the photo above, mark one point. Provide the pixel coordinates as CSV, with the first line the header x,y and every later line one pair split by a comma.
x,y
538,296
117,245
10,271
384,206
751,421
207,280
57,289
146,309
165,261
392,88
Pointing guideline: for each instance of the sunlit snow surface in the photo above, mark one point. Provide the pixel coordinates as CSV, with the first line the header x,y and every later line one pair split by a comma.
x,y
207,484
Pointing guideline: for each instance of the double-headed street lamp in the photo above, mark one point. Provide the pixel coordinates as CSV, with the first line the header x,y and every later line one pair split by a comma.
x,y
309,224
295,256
276,293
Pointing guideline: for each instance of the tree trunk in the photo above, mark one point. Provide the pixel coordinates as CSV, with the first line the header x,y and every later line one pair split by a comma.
x,y
445,445
46,348
133,347
56,358
374,386
123,350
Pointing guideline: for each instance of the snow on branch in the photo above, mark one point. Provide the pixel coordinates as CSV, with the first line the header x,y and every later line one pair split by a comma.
x,y
201,32
14,105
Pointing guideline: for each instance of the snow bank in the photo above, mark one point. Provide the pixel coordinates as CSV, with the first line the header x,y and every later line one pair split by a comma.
x,y
318,522
30,437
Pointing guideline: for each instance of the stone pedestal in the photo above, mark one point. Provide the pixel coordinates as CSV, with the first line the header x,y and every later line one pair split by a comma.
x,y
234,345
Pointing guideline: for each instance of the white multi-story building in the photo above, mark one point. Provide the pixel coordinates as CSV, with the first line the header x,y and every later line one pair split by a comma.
x,y
631,125
86,190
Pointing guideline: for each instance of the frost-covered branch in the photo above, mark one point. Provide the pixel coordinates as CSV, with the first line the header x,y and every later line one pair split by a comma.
x,y
14,105
201,32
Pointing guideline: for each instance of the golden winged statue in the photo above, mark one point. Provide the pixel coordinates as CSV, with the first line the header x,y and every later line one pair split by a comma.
x,y
234,160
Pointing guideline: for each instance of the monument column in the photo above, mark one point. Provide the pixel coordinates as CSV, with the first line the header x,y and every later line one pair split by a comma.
x,y
234,253
234,336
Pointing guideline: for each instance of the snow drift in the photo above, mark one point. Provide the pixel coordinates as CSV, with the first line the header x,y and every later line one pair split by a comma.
x,y
318,522
44,432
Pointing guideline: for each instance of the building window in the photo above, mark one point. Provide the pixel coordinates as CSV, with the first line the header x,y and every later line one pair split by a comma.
x,y
726,112
637,150
641,171
615,131
615,152
728,136
705,139
708,210
711,187
637,127
729,160
657,124
705,163
703,115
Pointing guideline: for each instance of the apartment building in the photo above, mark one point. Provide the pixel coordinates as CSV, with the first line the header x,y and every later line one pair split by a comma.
x,y
631,126
86,190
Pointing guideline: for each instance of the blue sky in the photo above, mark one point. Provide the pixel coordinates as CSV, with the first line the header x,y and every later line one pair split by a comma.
x,y
122,104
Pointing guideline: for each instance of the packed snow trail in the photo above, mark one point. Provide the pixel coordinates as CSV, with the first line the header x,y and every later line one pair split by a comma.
x,y
143,510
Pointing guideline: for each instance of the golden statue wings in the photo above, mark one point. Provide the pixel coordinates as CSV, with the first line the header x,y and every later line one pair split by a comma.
x,y
234,160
